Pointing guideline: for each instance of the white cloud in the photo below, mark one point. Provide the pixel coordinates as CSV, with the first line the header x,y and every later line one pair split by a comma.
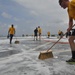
x,y
40,6
6,15
16,19
50,15
34,13
43,8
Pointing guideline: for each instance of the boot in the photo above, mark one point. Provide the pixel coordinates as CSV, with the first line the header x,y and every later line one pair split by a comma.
x,y
73,57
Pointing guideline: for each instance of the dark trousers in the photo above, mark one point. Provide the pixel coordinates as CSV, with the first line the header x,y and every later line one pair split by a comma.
x,y
73,32
11,37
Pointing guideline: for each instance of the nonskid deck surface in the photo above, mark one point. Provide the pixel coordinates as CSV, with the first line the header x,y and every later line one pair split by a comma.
x,y
22,58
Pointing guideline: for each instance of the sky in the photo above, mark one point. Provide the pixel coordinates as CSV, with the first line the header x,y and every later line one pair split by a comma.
x,y
26,15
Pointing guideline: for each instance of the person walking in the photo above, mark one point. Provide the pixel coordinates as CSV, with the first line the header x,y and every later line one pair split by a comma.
x,y
36,33
39,32
11,33
70,5
48,34
60,33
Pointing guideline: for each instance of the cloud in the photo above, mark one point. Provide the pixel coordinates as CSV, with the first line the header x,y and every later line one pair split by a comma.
x,y
28,14
46,9
40,6
34,13
6,15
16,19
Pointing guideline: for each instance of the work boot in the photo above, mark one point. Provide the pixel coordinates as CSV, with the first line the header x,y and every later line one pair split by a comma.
x,y
71,60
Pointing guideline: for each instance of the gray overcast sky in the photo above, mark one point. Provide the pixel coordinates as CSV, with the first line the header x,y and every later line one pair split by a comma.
x,y
26,15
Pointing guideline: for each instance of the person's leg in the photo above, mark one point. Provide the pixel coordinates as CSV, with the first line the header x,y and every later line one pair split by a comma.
x,y
72,46
48,36
34,37
59,35
11,36
39,36
71,42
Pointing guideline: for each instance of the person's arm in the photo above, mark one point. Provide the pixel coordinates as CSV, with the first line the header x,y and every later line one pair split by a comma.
x,y
70,24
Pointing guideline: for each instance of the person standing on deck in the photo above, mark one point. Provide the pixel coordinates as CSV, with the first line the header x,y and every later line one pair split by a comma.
x,y
70,5
11,33
60,33
39,32
48,34
36,33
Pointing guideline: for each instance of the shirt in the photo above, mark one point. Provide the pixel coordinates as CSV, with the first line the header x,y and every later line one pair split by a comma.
x,y
11,30
48,33
39,30
71,9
